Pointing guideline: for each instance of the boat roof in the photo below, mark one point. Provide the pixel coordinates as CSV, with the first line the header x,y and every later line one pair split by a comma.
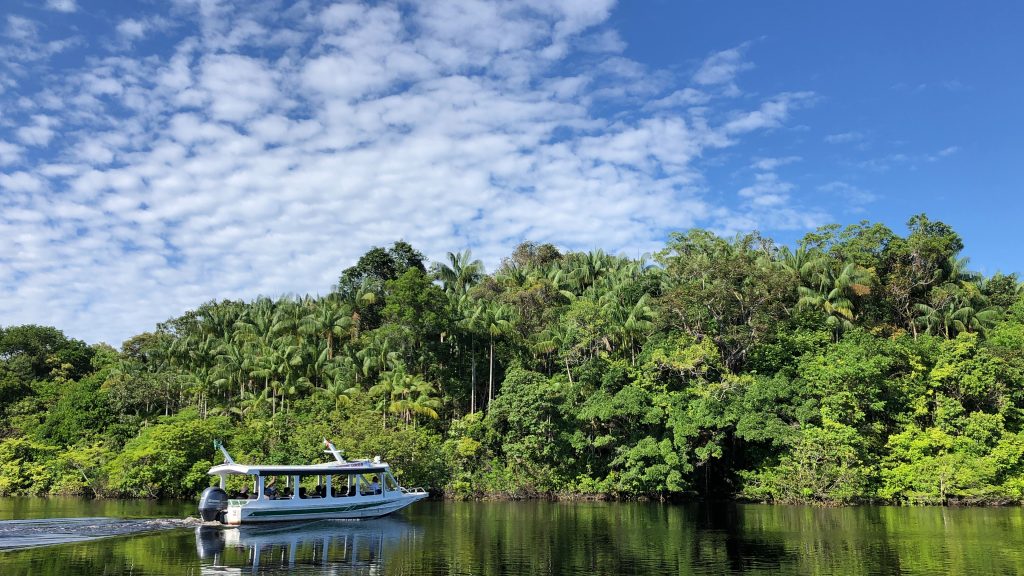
x,y
352,467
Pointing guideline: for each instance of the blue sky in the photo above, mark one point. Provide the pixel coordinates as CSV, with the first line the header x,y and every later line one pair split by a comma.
x,y
156,155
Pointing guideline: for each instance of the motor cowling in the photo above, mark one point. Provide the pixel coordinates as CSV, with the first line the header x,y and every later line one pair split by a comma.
x,y
213,503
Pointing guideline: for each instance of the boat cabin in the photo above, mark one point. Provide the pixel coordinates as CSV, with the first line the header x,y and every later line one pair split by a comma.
x,y
340,489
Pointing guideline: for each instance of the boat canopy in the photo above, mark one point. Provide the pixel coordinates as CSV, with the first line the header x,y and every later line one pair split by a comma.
x,y
299,470
339,466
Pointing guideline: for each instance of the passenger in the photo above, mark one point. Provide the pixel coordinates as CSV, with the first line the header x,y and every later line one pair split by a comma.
x,y
244,493
374,486
270,491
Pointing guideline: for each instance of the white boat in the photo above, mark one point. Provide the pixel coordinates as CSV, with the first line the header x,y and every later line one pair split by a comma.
x,y
332,490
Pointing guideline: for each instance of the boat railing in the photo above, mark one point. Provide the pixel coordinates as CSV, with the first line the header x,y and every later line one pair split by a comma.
x,y
416,490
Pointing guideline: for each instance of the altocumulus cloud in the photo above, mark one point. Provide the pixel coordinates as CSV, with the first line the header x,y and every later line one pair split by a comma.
x,y
221,150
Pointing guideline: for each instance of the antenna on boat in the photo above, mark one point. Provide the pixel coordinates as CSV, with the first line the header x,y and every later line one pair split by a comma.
x,y
332,450
227,457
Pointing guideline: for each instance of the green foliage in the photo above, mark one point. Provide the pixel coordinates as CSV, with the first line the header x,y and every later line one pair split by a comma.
x,y
24,467
857,365
823,464
167,459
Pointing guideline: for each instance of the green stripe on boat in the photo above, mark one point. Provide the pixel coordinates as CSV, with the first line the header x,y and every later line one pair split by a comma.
x,y
290,511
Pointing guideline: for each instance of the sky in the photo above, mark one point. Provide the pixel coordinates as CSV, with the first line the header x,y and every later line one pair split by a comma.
x,y
156,155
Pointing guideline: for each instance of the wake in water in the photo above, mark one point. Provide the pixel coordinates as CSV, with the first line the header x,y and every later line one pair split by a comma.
x,y
16,534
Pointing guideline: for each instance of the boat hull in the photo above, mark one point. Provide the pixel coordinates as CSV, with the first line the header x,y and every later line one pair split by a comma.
x,y
349,508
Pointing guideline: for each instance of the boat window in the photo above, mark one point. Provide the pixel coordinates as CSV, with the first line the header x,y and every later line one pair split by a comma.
x,y
369,484
239,486
277,487
312,487
390,484
343,485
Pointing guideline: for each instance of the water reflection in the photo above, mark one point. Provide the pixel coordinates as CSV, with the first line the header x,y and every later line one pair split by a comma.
x,y
513,538
317,547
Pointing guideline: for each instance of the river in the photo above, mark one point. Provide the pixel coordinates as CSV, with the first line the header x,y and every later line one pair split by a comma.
x,y
47,536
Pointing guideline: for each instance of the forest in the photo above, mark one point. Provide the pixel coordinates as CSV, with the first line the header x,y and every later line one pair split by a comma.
x,y
860,365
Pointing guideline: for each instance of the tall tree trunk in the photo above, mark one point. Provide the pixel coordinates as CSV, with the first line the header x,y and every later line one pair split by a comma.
x,y
490,378
472,392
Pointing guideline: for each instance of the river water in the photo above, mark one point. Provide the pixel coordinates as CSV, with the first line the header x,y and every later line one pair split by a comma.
x,y
43,537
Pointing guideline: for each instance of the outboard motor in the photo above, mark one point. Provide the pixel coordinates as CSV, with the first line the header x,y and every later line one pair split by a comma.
x,y
213,503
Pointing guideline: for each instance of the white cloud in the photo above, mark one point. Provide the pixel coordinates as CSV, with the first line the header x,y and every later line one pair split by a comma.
x,y
237,86
263,152
9,153
39,132
771,114
131,29
768,190
722,67
947,151
67,6
21,28
844,137
769,164
21,182
854,198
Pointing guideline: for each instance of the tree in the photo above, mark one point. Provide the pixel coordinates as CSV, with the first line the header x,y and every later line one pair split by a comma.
x,y
721,289
835,293
460,274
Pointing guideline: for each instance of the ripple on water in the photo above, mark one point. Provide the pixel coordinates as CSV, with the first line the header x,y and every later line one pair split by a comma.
x,y
16,534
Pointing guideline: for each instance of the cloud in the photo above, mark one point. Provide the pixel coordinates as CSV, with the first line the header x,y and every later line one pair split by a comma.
x,y
20,28
261,151
844,137
131,29
947,151
721,67
853,198
9,153
768,190
66,6
39,132
771,113
769,164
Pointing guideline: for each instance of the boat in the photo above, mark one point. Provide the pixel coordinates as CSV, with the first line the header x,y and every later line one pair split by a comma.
x,y
338,490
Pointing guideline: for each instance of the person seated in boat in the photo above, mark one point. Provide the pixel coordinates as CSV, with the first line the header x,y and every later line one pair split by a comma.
x,y
244,493
373,488
319,491
270,491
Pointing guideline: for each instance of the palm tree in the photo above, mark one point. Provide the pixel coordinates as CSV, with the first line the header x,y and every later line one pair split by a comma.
x,y
955,307
495,319
560,338
329,319
462,273
388,383
337,386
835,295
